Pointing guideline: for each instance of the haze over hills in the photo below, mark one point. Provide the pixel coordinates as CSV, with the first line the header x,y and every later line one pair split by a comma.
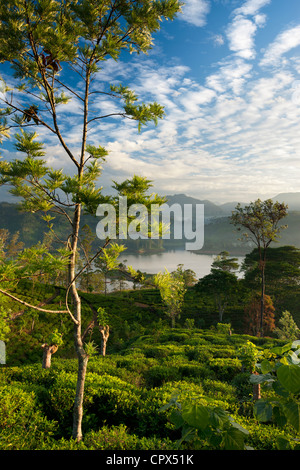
x,y
210,209
291,199
221,210
219,233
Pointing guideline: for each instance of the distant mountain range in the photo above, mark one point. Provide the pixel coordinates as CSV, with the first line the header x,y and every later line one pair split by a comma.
x,y
222,210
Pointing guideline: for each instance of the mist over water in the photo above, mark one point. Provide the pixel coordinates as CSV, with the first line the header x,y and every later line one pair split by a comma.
x,y
153,263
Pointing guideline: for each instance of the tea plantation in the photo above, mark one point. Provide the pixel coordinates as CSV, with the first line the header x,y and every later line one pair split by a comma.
x,y
125,392
157,388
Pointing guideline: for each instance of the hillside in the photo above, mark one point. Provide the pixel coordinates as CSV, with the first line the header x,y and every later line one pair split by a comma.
x,y
127,395
219,234
128,392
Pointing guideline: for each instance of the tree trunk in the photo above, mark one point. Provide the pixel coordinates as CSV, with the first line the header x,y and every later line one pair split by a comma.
x,y
104,330
262,298
78,403
78,342
48,350
82,366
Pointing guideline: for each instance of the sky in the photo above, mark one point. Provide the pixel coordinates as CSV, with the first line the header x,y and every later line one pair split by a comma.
x,y
228,74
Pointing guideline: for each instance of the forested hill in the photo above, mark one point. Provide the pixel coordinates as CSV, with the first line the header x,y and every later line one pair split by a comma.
x,y
219,233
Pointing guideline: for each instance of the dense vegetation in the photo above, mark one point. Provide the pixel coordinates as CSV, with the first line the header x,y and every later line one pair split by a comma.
x,y
125,391
192,386
147,363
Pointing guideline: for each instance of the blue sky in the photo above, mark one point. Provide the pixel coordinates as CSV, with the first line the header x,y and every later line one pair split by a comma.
x,y
228,74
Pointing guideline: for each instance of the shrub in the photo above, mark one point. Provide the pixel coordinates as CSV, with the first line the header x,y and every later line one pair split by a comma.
x,y
163,350
111,438
225,369
220,390
158,375
22,424
242,384
197,353
135,363
118,438
178,337
264,437
205,425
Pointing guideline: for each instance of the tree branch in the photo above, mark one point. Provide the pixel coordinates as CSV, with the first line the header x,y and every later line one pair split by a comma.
x,y
35,307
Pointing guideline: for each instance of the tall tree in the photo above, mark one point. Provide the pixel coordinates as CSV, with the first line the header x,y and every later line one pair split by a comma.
x,y
223,285
252,316
261,220
282,270
56,50
224,263
108,261
172,290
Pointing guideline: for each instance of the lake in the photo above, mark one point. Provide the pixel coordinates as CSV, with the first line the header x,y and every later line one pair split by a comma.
x,y
153,263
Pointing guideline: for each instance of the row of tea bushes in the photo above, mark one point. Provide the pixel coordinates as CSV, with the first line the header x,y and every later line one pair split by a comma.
x,y
124,393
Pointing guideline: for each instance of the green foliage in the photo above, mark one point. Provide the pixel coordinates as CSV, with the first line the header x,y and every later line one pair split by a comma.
x,y
225,368
224,328
55,338
125,391
172,290
22,424
281,372
204,425
249,355
102,316
288,329
224,263
90,348
261,219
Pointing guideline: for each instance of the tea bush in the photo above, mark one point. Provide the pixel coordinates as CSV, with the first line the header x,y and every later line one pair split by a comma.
x,y
225,369
197,353
157,375
22,424
164,350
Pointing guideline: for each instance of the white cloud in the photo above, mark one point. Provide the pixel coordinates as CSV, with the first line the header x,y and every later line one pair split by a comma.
x,y
193,99
241,32
231,75
214,138
218,39
232,134
284,42
251,7
195,12
260,20
241,37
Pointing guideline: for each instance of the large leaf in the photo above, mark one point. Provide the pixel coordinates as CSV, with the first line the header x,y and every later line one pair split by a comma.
x,y
261,378
282,443
196,415
279,350
295,344
293,358
233,439
279,389
266,366
292,412
263,410
218,417
289,377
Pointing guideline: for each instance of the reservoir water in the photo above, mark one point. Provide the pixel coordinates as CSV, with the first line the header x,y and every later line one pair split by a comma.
x,y
153,263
